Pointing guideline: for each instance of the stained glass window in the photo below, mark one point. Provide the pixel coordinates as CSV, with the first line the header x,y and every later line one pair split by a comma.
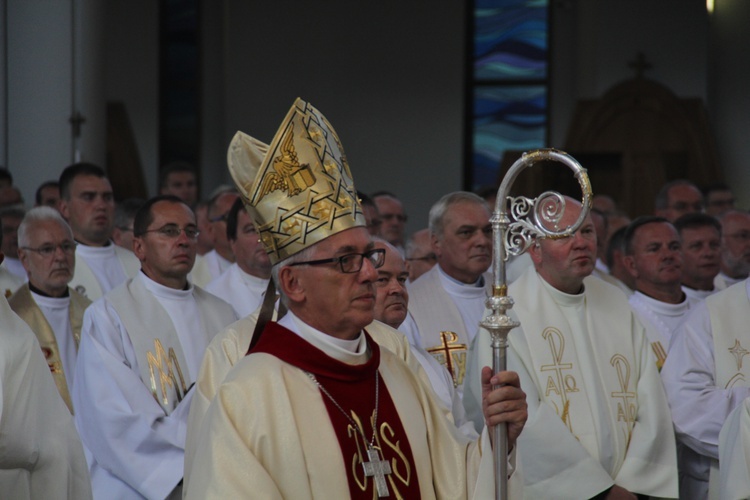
x,y
509,84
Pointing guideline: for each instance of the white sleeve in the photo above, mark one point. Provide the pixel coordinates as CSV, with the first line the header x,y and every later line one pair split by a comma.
x,y
699,407
120,422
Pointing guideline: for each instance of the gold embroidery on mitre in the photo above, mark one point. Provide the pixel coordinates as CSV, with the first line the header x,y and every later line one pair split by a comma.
x,y
452,355
559,382
299,190
166,364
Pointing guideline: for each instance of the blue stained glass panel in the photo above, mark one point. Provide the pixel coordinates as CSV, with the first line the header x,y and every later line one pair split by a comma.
x,y
510,39
506,118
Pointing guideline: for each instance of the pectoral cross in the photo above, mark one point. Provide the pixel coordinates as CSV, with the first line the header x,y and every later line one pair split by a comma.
x,y
378,469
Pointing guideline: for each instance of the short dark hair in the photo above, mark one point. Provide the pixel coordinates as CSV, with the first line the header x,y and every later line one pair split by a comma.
x,y
661,202
144,216
616,242
696,221
232,218
173,167
633,227
38,194
365,200
378,194
73,171
125,211
6,175
715,186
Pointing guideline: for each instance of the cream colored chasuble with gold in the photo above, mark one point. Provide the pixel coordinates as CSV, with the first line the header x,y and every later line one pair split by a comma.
x,y
598,415
267,435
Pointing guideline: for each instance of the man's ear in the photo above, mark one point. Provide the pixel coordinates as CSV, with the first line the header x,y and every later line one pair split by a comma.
x,y
535,252
290,284
629,262
139,248
436,244
62,206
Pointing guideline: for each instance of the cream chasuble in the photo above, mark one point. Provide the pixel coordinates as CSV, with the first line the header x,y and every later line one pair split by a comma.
x,y
42,456
135,436
208,267
24,305
108,267
243,291
597,411
231,344
734,454
447,315
267,434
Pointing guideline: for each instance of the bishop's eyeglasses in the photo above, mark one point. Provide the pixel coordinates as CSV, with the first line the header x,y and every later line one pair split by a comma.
x,y
351,262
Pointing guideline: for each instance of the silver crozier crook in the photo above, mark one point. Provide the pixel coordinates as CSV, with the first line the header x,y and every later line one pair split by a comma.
x,y
512,235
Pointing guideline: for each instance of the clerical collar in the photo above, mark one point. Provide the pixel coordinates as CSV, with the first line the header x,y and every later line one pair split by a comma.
x,y
164,291
352,352
663,308
44,294
455,287
562,298
95,252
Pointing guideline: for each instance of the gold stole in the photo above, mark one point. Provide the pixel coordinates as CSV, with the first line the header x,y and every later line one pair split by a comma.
x,y
27,309
555,360
160,357
441,325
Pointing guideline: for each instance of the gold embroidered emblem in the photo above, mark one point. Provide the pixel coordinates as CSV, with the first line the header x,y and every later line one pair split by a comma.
x,y
626,408
289,175
399,473
559,382
738,352
660,353
166,365
451,355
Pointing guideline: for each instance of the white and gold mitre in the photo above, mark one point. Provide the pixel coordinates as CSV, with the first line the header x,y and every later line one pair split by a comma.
x,y
299,190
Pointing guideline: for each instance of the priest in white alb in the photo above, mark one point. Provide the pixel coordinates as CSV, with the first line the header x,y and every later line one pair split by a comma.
x,y
447,302
653,257
244,283
215,262
88,205
141,347
706,377
599,425
317,409
52,309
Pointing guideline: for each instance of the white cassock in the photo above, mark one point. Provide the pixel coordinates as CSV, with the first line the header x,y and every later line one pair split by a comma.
x,y
446,315
706,377
597,411
660,320
285,446
243,291
698,294
42,456
734,454
141,348
9,282
231,345
208,267
613,281
100,269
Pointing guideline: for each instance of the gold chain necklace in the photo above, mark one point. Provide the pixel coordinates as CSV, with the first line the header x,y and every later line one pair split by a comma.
x,y
375,467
